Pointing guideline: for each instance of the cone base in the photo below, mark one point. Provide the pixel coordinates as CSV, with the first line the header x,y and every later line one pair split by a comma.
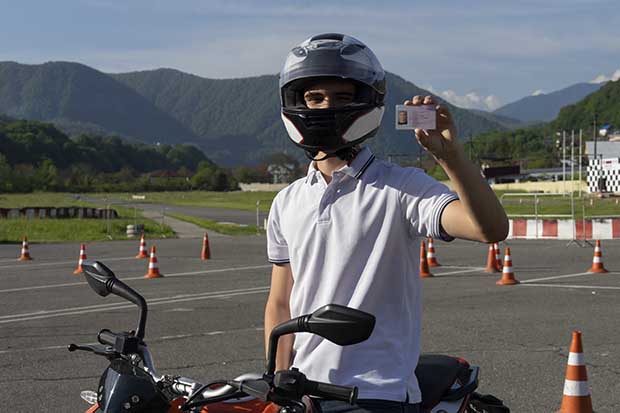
x,y
491,270
576,404
434,264
140,256
78,271
507,282
24,259
598,270
153,275
426,275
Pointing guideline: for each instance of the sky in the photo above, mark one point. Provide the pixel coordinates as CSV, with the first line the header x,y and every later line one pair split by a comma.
x,y
476,54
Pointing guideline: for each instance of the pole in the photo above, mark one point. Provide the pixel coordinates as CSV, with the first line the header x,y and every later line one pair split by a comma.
x,y
580,158
595,156
564,163
257,217
572,160
572,174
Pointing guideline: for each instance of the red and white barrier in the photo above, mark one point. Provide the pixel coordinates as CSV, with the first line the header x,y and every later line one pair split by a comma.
x,y
564,229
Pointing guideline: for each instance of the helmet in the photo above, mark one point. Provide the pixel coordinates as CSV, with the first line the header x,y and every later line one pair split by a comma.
x,y
331,130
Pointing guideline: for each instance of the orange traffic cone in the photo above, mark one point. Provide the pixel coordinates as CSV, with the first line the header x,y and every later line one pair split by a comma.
x,y
491,261
25,255
508,276
597,261
206,251
142,252
153,266
498,257
424,270
576,397
79,269
431,259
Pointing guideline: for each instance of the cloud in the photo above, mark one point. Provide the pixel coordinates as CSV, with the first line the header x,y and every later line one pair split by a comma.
x,y
471,100
538,92
604,78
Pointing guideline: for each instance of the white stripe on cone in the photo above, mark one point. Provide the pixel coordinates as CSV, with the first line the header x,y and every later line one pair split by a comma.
x,y
576,388
576,359
597,260
507,269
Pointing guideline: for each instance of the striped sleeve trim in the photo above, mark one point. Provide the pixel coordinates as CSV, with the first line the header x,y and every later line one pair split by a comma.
x,y
436,230
280,261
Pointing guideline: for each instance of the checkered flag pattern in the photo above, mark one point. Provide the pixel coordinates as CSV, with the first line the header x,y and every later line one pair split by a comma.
x,y
609,169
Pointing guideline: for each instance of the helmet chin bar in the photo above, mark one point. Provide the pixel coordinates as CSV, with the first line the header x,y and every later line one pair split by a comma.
x,y
330,130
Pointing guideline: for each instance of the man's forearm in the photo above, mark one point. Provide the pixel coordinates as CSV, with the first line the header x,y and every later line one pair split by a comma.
x,y
478,199
274,315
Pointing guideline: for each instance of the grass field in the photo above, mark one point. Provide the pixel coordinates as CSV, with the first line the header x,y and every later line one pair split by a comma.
x,y
228,229
231,200
560,206
71,229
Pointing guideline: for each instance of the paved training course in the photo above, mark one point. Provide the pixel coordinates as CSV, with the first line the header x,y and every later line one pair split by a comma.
x,y
206,317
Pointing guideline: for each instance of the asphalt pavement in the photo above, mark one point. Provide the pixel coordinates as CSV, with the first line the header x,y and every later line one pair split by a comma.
x,y
206,317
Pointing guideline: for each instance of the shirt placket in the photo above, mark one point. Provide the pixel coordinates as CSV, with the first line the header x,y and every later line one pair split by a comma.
x,y
330,194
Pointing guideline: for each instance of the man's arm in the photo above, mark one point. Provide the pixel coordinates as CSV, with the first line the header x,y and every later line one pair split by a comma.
x,y
277,311
477,215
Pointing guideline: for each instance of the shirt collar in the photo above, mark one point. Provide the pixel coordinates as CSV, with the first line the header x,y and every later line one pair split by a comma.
x,y
356,169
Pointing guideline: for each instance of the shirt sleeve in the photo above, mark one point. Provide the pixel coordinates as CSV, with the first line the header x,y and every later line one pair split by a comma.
x,y
277,247
424,200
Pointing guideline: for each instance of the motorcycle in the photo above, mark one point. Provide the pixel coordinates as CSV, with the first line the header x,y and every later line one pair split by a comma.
x,y
131,383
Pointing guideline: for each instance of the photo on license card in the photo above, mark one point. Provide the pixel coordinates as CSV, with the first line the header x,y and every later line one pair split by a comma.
x,y
411,117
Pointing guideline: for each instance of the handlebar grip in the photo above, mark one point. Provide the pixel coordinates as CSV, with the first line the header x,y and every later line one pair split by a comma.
x,y
106,336
331,391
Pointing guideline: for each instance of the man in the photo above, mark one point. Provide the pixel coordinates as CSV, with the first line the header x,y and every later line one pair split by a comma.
x,y
348,233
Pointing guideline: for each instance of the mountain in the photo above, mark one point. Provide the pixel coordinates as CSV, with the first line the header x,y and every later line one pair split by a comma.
x,y
545,107
234,121
605,103
75,95
505,121
239,119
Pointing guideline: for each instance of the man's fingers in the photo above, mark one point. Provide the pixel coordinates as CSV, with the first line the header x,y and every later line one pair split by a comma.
x,y
428,100
417,100
408,103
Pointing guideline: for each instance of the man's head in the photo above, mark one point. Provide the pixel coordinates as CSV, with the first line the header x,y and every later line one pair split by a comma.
x,y
332,89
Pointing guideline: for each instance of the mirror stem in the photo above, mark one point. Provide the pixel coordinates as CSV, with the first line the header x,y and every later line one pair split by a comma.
x,y
291,326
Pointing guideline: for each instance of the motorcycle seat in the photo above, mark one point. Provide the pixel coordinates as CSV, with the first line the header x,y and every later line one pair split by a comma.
x,y
436,374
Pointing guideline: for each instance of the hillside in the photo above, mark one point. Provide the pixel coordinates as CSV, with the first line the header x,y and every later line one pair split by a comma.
x,y
234,121
74,94
545,107
605,103
239,119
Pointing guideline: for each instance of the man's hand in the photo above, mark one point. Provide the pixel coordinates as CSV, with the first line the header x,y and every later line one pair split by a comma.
x,y
440,142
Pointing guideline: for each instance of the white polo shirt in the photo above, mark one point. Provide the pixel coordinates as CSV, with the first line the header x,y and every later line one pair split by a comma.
x,y
356,242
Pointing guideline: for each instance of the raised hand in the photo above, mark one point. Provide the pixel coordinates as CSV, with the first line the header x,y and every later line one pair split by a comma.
x,y
442,141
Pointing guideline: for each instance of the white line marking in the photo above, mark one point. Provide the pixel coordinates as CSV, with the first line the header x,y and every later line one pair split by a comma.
x,y
153,302
460,272
555,277
151,340
179,274
585,287
47,264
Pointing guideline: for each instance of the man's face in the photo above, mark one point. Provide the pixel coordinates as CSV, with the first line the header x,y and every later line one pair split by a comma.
x,y
329,94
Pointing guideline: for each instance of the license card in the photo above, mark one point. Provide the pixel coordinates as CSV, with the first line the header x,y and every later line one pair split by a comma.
x,y
411,117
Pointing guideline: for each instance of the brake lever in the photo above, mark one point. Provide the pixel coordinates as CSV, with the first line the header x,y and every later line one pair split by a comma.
x,y
106,351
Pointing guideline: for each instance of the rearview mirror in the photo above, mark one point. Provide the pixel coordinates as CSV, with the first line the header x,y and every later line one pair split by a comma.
x,y
98,277
336,323
341,325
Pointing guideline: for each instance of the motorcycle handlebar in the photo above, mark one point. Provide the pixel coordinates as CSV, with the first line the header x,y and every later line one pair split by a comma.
x,y
331,391
106,336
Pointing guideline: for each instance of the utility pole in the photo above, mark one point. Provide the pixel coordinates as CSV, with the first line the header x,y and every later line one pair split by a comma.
x,y
580,158
564,162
